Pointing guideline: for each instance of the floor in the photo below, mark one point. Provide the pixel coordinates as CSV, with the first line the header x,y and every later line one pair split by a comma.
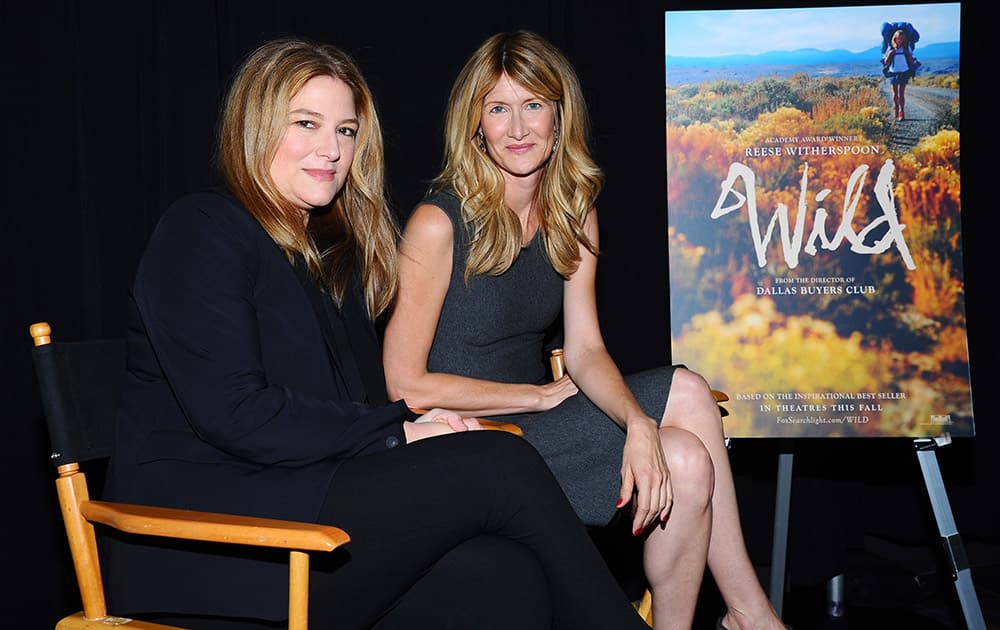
x,y
887,586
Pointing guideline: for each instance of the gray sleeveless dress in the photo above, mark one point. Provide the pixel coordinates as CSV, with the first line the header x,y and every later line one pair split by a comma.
x,y
495,329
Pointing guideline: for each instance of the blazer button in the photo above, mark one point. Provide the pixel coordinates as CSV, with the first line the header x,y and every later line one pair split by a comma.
x,y
392,441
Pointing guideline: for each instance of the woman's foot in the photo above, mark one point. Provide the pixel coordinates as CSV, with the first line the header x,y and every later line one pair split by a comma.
x,y
730,622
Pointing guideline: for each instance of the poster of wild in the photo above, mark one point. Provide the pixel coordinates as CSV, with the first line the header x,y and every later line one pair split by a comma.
x,y
814,217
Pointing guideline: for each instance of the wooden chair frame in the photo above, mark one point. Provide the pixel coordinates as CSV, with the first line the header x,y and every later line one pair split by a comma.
x,y
80,513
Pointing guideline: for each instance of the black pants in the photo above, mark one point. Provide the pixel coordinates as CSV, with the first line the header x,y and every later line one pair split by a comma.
x,y
437,526
456,593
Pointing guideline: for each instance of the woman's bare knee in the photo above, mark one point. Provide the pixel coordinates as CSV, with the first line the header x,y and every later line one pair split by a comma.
x,y
691,405
692,474
691,385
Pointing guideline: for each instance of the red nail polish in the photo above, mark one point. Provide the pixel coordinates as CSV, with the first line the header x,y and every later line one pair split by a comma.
x,y
620,501
663,519
638,532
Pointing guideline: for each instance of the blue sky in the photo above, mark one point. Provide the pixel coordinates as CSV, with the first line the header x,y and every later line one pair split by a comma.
x,y
751,31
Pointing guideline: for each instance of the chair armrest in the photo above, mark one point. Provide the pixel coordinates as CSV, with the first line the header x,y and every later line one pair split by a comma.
x,y
496,425
492,425
559,368
214,527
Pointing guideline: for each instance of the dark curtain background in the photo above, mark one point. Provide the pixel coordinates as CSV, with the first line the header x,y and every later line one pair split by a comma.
x,y
110,111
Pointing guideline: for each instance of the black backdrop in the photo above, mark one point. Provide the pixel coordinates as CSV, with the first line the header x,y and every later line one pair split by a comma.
x,y
110,111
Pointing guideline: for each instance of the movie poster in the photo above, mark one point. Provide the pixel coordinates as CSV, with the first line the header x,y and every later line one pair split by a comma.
x,y
814,217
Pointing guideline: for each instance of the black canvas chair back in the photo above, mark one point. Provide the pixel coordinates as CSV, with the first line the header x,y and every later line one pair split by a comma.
x,y
80,384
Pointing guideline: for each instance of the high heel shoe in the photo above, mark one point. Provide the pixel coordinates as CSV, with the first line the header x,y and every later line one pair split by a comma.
x,y
719,626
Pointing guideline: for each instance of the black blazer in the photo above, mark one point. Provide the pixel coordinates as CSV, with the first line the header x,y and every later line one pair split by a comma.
x,y
241,397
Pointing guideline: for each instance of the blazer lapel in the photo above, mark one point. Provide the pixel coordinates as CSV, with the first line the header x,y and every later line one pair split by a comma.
x,y
364,340
335,336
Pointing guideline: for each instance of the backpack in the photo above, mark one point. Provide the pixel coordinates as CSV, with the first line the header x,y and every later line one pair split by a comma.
x,y
888,28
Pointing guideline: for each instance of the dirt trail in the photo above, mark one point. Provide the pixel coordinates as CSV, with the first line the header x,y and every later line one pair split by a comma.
x,y
924,108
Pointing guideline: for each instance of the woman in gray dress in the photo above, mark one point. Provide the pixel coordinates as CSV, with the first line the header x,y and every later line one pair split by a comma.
x,y
505,244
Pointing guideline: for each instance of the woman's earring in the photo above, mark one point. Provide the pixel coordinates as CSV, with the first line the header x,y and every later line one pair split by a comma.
x,y
556,143
482,140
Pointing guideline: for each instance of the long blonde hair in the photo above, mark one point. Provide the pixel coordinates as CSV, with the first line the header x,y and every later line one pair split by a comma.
x,y
359,224
570,181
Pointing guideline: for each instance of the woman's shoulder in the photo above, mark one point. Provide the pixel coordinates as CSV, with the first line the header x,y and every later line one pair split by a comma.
x,y
430,222
446,199
198,232
210,218
439,211
213,204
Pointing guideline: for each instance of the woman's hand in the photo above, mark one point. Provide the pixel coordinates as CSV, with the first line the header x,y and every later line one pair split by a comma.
x,y
438,422
552,394
645,476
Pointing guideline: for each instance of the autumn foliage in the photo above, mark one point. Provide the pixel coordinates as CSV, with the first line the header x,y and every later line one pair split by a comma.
x,y
886,324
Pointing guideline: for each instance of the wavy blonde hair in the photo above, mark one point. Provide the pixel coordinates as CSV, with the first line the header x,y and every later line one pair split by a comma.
x,y
359,225
570,180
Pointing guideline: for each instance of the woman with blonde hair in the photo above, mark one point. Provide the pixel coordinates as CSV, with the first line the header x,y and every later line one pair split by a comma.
x,y
899,65
255,387
505,246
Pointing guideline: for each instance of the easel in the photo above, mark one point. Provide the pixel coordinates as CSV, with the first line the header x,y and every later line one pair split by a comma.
x,y
779,545
958,562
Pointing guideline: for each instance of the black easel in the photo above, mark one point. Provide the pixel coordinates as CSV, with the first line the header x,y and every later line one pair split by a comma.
x,y
926,449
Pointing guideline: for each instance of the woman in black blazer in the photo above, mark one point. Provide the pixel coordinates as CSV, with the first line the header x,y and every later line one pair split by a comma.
x,y
255,387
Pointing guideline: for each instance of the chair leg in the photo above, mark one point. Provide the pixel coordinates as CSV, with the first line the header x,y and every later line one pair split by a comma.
x,y
645,607
298,590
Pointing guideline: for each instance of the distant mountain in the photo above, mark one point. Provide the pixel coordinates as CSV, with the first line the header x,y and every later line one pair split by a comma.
x,y
947,50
